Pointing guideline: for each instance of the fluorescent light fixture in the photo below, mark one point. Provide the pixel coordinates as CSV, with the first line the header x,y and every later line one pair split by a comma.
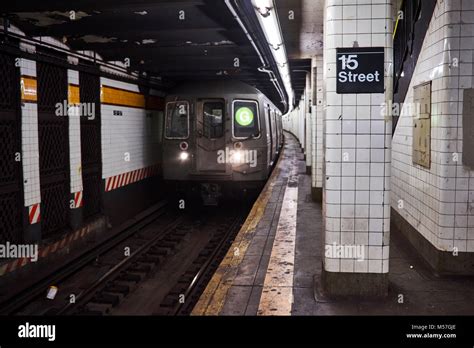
x,y
263,4
268,19
262,69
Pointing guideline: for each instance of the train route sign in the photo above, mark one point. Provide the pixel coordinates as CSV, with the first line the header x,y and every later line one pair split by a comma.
x,y
360,70
244,116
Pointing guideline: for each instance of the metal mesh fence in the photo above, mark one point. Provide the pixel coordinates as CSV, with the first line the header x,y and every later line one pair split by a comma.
x,y
11,197
89,92
53,149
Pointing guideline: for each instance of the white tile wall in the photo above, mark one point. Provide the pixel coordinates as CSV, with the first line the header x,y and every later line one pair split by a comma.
x,y
439,202
317,129
308,130
129,134
356,141
29,142
75,141
301,121
294,122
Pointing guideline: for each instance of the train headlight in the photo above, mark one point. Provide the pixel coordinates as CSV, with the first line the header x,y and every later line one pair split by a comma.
x,y
183,156
237,157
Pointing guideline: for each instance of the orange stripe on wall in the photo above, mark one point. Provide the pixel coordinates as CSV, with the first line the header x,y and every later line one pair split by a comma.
x,y
28,89
109,95
116,96
73,94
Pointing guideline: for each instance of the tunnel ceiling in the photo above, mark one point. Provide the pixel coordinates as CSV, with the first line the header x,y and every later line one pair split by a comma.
x,y
301,22
201,45
299,68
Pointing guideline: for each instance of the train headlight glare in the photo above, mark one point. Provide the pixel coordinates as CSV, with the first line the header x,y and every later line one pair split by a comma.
x,y
237,156
183,156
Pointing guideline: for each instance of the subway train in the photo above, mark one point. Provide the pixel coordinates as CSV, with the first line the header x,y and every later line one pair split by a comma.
x,y
221,139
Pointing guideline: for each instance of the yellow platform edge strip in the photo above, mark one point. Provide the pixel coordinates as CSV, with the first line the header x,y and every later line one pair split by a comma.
x,y
213,298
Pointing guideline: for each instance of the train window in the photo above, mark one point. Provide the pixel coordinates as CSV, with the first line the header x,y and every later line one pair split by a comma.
x,y
245,119
213,124
177,120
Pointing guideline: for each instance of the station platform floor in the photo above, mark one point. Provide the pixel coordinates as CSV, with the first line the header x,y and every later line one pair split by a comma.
x,y
271,265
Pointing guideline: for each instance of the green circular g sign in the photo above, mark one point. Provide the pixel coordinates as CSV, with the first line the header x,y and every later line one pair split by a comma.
x,y
244,116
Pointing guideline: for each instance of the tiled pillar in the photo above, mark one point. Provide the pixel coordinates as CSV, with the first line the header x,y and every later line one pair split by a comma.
x,y
76,203
308,124
30,147
357,156
317,128
301,119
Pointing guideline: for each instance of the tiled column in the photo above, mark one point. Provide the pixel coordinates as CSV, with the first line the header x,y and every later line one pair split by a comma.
x,y
30,146
75,150
357,156
317,128
301,117
307,114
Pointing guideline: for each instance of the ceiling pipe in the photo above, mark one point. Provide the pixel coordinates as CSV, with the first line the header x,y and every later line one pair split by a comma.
x,y
265,68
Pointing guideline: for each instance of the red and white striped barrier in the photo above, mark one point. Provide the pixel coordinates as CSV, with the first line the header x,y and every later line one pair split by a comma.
x,y
117,181
34,215
47,250
78,199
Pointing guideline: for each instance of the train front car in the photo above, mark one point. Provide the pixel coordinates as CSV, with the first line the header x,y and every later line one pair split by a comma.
x,y
217,140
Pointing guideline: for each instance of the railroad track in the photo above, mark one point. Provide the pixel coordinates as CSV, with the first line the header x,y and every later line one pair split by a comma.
x,y
116,297
121,280
185,294
178,255
25,297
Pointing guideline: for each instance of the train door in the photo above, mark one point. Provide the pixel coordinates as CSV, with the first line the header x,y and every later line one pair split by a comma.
x,y
270,134
210,136
276,132
280,131
274,143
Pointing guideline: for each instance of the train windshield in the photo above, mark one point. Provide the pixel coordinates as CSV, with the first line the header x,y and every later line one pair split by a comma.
x,y
213,125
177,120
245,119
